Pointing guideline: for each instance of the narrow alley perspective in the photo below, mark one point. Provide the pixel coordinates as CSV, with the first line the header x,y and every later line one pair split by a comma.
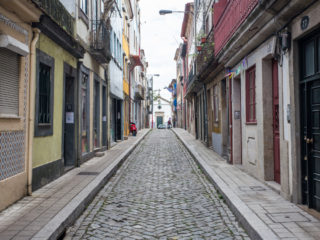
x,y
159,193
159,119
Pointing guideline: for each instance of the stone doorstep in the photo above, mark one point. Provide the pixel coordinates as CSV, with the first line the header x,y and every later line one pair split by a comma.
x,y
256,227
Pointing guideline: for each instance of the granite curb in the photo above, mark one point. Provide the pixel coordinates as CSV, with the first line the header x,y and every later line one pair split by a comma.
x,y
254,226
56,227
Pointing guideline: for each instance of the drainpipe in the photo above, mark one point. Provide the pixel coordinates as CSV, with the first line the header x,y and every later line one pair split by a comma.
x,y
36,33
205,115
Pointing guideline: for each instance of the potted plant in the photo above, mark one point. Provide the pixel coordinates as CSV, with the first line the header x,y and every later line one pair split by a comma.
x,y
203,40
199,48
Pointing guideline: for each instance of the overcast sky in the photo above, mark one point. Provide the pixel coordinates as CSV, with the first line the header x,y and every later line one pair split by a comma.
x,y
160,38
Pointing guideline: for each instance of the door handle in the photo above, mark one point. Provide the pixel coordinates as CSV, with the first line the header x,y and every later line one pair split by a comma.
x,y
308,140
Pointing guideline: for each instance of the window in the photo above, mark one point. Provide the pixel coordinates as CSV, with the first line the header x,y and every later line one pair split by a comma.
x,y
115,46
102,6
44,95
251,95
111,41
84,6
9,83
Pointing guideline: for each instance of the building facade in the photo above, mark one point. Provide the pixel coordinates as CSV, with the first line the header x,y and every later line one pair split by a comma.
x,y
252,89
17,51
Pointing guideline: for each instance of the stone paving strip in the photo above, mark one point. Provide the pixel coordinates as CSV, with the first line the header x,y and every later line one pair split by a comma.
x,y
262,211
50,210
158,193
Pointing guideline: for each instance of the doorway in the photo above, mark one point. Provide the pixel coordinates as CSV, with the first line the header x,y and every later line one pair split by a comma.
x,y
310,120
235,115
119,119
159,120
96,115
69,151
276,127
104,116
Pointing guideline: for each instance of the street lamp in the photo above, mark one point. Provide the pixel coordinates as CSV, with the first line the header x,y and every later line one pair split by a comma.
x,y
164,12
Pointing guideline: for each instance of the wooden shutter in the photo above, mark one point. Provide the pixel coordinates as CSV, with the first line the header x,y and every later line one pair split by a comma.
x,y
9,82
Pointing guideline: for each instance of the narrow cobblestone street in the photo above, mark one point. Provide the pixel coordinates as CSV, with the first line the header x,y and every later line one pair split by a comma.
x,y
159,193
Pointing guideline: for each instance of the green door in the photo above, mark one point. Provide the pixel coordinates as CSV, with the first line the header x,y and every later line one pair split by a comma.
x,y
310,121
159,120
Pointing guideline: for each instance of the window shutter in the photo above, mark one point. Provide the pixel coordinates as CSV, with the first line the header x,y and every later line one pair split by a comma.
x,y
9,82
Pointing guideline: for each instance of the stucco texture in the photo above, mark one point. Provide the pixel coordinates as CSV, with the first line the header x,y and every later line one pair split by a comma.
x,y
48,149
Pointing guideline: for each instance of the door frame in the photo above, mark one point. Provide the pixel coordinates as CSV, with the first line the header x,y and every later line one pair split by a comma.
x,y
69,71
304,86
275,63
104,124
96,110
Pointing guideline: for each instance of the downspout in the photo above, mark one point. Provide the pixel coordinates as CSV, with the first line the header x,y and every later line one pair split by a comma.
x,y
32,86
205,115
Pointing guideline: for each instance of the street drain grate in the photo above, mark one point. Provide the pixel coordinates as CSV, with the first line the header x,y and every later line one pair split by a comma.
x,y
88,173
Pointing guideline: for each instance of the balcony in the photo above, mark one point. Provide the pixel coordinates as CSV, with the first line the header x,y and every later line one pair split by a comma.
x,y
202,65
56,10
206,55
230,16
139,92
100,41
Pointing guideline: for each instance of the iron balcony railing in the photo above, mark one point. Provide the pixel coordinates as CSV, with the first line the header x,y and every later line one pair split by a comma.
x,y
206,55
100,41
202,60
139,92
56,10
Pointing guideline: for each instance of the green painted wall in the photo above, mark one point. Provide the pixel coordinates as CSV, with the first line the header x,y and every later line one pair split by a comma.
x,y
48,149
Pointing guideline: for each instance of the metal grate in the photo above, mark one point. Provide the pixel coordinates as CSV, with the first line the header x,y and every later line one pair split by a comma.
x,y
88,173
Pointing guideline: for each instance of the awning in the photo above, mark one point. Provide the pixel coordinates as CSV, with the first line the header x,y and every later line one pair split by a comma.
x,y
136,61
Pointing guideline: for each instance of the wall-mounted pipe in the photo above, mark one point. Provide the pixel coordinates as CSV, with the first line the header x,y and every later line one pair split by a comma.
x,y
32,87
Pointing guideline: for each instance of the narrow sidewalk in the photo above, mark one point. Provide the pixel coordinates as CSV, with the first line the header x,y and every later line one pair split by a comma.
x,y
47,213
262,212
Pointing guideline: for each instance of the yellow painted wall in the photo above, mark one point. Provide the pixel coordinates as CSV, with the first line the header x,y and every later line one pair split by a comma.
x,y
125,45
48,149
126,89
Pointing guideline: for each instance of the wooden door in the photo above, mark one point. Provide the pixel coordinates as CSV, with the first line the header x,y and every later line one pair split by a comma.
x,y
276,129
310,120
313,142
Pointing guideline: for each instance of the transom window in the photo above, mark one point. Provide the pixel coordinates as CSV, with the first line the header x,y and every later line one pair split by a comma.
x,y
311,57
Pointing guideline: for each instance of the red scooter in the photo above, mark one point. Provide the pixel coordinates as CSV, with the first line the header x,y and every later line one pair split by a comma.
x,y
133,129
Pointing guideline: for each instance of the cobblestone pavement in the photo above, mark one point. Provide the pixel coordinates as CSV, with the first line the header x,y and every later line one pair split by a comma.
x,y
159,193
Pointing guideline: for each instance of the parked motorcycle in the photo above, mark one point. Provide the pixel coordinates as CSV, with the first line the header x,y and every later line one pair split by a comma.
x,y
133,129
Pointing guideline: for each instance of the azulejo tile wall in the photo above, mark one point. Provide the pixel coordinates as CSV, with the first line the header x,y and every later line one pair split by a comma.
x,y
12,143
12,146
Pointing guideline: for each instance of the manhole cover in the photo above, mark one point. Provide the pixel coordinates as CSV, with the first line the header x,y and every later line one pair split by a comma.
x,y
88,173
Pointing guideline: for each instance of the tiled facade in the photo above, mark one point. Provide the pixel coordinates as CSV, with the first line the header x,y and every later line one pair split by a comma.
x,y
12,145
